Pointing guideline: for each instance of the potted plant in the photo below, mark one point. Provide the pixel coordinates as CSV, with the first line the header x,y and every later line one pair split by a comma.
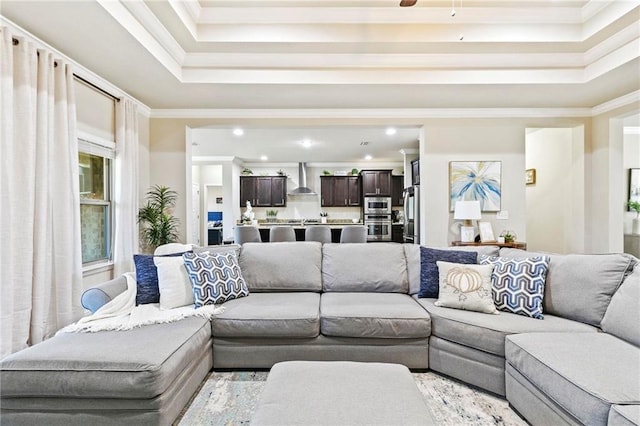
x,y
246,172
509,236
354,172
635,205
326,172
159,226
272,215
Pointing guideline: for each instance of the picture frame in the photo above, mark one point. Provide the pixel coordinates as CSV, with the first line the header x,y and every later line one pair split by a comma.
x,y
530,176
634,186
218,200
486,232
476,180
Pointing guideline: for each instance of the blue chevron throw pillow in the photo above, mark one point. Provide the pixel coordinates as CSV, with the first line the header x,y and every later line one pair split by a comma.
x,y
518,283
215,277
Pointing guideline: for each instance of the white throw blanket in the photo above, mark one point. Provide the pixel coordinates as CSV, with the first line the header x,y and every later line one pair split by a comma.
x,y
122,313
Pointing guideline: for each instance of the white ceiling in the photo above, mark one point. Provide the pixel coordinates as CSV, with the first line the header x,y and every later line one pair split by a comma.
x,y
323,144
318,55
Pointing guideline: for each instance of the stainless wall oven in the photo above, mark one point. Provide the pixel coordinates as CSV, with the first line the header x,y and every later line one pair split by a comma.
x,y
377,218
378,227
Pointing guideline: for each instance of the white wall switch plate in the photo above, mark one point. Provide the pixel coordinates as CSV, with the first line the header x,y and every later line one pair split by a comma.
x,y
502,215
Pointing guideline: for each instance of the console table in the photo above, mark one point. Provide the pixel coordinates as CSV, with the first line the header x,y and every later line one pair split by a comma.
x,y
516,244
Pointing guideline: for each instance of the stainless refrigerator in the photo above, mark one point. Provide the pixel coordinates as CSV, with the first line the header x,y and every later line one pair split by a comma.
x,y
411,229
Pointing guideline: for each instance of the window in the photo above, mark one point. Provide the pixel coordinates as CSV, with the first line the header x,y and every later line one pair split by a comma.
x,y
94,163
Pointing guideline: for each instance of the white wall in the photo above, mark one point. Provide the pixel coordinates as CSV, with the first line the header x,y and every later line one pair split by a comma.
x,y
549,152
470,140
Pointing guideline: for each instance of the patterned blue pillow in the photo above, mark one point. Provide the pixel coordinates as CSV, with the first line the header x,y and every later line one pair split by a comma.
x,y
147,278
518,283
429,275
215,277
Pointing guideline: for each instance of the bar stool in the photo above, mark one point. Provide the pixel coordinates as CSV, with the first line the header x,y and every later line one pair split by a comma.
x,y
320,233
354,234
281,233
246,234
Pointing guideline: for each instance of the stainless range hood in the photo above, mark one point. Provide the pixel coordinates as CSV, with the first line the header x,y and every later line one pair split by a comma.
x,y
302,189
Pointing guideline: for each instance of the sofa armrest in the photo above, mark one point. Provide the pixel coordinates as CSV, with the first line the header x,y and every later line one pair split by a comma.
x,y
97,296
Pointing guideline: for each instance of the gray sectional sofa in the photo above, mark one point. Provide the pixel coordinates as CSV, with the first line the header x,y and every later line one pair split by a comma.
x,y
355,302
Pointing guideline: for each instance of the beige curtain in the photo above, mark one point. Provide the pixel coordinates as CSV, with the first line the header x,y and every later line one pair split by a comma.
x,y
41,261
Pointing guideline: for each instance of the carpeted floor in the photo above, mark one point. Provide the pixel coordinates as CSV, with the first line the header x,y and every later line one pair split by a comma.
x,y
229,398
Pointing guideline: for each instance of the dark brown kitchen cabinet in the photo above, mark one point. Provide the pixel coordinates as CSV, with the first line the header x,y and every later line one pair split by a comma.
x,y
397,188
376,183
339,191
263,191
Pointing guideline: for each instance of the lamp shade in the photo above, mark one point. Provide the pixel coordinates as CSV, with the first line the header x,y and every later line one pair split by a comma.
x,y
467,210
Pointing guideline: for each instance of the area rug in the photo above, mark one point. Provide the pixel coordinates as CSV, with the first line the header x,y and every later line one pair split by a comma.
x,y
229,398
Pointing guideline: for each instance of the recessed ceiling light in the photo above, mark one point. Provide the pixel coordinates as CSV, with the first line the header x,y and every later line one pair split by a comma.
x,y
368,157
306,143
264,158
391,131
238,131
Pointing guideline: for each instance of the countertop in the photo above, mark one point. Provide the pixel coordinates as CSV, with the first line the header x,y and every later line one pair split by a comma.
x,y
335,224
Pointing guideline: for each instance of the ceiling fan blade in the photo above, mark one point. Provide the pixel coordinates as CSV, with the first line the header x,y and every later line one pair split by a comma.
x,y
407,3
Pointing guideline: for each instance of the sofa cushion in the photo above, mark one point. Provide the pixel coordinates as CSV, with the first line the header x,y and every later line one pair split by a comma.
x,y
518,283
148,290
412,253
624,415
290,266
173,282
380,267
215,278
270,315
381,315
466,287
584,373
580,286
487,332
429,274
622,318
135,364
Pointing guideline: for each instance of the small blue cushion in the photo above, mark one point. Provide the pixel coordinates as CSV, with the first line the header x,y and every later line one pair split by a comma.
x,y
429,275
147,278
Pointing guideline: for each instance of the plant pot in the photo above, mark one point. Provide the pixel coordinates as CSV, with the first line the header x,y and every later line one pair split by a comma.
x,y
323,220
635,226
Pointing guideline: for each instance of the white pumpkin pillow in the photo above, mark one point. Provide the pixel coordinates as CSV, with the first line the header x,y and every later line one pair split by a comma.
x,y
464,286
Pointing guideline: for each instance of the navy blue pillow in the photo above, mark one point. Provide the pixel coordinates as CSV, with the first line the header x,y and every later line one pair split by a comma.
x,y
429,275
147,278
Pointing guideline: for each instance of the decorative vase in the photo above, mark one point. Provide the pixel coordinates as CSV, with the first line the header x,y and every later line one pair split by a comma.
x,y
323,220
635,226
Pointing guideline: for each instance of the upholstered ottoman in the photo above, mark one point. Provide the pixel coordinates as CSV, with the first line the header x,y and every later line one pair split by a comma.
x,y
341,393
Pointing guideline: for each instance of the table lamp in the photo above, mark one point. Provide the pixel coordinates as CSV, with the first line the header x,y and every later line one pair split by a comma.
x,y
467,211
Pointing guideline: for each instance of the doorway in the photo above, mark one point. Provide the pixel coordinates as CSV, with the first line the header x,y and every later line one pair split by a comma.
x,y
555,189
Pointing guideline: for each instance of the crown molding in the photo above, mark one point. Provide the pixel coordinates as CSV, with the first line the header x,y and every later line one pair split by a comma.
x,y
398,113
389,113
616,103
